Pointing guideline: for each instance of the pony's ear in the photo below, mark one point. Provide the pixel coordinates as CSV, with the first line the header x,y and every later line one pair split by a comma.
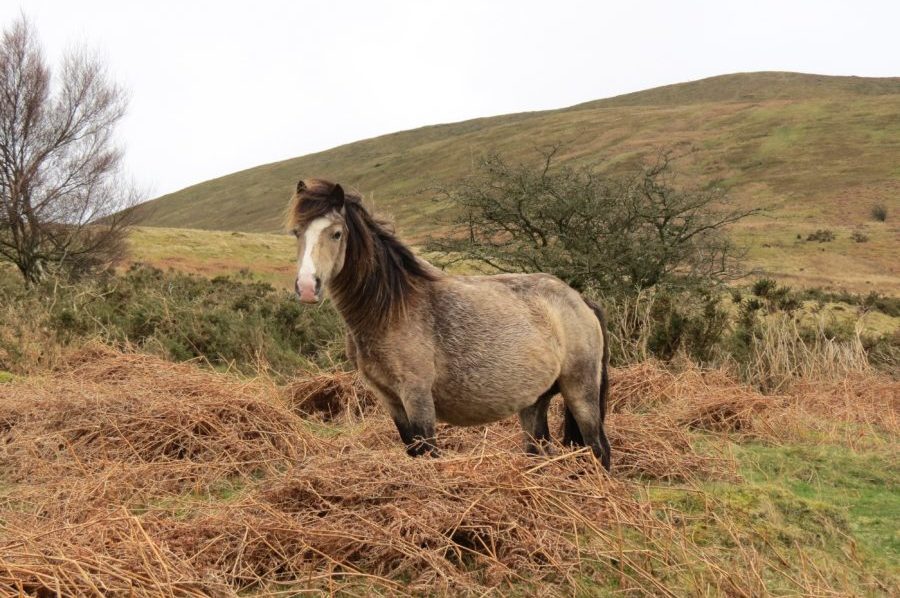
x,y
301,186
337,197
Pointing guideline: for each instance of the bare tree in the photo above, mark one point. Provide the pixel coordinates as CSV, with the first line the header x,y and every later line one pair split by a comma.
x,y
63,200
616,234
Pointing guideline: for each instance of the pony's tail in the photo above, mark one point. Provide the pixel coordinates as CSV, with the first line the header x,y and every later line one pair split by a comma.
x,y
572,435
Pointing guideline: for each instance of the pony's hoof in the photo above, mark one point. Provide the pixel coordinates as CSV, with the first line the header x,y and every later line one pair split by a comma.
x,y
421,449
540,450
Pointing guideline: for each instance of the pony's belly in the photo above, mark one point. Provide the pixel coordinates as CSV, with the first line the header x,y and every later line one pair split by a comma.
x,y
466,413
470,405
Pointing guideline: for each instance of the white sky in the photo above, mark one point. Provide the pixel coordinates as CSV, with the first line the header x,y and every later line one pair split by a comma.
x,y
222,86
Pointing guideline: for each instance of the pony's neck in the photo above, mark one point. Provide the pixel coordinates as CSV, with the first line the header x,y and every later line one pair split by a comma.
x,y
381,279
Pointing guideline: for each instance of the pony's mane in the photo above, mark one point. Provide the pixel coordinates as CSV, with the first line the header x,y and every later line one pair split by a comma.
x,y
381,276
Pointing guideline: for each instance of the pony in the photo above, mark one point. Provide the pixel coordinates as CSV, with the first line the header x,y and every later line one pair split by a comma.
x,y
465,350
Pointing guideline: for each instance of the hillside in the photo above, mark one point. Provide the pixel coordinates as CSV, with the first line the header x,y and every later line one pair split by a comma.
x,y
817,151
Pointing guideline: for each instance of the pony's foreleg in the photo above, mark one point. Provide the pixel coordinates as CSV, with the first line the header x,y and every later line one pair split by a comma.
x,y
534,423
402,422
394,406
419,406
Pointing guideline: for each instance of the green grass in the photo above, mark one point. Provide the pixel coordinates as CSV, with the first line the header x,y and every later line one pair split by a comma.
x,y
818,151
809,507
863,487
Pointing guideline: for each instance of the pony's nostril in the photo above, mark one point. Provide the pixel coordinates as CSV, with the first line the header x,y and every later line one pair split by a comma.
x,y
318,285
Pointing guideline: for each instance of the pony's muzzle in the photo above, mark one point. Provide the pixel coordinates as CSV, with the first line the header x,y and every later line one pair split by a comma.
x,y
309,289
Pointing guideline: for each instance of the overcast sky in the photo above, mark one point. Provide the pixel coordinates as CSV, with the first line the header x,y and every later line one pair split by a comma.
x,y
222,86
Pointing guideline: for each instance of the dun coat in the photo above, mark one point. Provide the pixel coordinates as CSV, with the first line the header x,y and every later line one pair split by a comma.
x,y
465,350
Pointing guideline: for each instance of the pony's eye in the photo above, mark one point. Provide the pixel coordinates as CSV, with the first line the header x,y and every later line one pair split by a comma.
x,y
336,235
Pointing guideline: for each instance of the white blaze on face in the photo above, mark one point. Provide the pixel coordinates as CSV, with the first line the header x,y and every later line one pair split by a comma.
x,y
306,275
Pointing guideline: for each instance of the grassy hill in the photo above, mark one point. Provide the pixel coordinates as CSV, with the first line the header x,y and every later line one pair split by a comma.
x,y
817,151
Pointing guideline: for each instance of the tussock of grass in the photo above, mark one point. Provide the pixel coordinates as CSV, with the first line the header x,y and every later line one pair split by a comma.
x,y
329,395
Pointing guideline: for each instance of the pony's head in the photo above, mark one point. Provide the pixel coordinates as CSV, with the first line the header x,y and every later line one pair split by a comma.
x,y
371,275
317,217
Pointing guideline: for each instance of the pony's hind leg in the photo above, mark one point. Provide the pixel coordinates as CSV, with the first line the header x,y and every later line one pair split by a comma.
x,y
534,423
584,421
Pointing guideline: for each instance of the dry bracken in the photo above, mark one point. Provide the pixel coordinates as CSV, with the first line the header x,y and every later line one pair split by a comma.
x,y
128,475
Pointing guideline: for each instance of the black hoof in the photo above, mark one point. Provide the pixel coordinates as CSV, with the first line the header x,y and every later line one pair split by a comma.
x,y
417,449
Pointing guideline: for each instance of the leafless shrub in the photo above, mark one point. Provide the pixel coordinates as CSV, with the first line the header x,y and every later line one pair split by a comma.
x,y
63,200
